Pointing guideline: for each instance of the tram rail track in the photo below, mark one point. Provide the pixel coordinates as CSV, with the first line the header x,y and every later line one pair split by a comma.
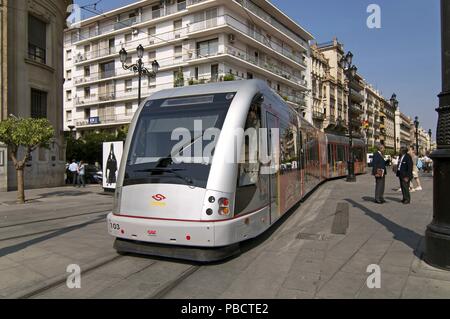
x,y
45,231
53,219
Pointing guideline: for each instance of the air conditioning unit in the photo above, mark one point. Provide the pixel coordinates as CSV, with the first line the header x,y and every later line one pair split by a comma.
x,y
231,38
135,31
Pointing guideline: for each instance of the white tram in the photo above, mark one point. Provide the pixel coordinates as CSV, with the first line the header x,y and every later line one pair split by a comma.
x,y
193,186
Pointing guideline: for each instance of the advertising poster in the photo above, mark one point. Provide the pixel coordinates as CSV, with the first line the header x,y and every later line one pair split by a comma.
x,y
112,155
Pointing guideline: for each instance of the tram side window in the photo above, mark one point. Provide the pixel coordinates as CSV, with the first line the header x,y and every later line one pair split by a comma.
x,y
251,186
340,153
249,164
330,155
288,147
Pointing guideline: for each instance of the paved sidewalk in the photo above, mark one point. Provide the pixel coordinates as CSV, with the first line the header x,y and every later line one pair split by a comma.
x,y
304,259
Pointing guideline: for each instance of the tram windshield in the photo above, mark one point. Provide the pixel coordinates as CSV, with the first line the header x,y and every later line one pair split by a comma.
x,y
174,140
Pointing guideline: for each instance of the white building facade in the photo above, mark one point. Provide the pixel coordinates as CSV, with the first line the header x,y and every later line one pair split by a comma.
x,y
194,42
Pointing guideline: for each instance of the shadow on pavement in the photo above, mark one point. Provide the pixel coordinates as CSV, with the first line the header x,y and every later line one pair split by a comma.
x,y
405,235
15,248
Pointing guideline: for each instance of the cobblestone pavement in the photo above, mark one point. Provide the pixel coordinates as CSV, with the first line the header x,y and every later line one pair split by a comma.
x,y
320,250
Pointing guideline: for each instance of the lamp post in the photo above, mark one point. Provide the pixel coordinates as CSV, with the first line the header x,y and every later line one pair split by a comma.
x,y
394,104
416,124
437,236
430,134
138,67
350,72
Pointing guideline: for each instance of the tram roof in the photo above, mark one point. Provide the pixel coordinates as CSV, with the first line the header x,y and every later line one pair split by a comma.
x,y
211,88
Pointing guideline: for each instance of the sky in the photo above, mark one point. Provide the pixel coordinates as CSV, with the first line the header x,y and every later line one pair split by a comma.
x,y
403,56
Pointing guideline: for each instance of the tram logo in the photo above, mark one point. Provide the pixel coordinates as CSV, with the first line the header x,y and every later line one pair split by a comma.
x,y
159,197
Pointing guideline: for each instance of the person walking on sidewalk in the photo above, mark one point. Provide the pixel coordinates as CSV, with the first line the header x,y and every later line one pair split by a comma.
x,y
82,174
379,171
404,173
415,171
73,168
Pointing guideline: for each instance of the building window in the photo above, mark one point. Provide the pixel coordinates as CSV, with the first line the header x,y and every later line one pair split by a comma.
x,y
69,55
214,73
151,56
128,37
128,109
37,39
69,116
87,92
128,85
69,75
87,113
87,71
152,82
38,104
87,48
151,32
107,69
178,51
69,95
207,48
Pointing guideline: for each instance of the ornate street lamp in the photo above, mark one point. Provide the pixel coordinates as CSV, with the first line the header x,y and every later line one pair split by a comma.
x,y
416,124
138,67
350,72
430,133
437,236
394,104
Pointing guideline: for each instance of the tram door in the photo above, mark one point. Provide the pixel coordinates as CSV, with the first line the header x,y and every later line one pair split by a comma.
x,y
273,144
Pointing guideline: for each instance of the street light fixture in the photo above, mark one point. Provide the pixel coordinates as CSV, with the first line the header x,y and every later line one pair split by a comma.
x,y
430,134
394,104
416,124
138,67
350,71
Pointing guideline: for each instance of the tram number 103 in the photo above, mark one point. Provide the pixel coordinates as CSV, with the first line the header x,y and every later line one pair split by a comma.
x,y
114,226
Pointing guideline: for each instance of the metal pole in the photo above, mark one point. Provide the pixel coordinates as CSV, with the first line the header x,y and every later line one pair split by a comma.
x,y
351,164
437,236
140,80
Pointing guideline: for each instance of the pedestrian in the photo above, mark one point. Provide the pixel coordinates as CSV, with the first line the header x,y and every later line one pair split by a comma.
x,y
379,171
82,174
415,171
404,173
73,168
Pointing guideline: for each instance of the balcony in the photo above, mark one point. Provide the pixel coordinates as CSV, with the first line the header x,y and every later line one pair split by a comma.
x,y
318,116
356,96
250,6
272,68
240,27
89,32
105,120
81,57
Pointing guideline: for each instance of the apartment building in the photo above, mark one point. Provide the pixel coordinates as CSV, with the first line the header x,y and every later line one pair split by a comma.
x,y
194,42
375,116
31,83
404,126
388,116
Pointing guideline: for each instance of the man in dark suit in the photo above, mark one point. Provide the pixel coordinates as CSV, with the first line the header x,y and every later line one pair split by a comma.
x,y
379,171
405,173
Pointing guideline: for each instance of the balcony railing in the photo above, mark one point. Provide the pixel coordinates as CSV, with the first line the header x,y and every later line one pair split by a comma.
x,y
264,65
241,27
80,57
89,32
105,119
249,5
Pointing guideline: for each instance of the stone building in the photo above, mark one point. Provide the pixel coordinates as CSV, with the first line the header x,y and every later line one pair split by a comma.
x,y
32,82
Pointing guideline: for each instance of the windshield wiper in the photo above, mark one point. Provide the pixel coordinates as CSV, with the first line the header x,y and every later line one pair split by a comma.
x,y
169,170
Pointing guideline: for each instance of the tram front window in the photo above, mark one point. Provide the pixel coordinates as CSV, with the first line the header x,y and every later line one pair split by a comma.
x,y
169,144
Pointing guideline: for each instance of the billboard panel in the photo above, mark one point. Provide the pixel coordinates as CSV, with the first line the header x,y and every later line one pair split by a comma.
x,y
112,155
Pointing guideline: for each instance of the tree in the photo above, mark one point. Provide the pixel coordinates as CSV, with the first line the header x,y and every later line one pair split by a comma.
x,y
29,134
